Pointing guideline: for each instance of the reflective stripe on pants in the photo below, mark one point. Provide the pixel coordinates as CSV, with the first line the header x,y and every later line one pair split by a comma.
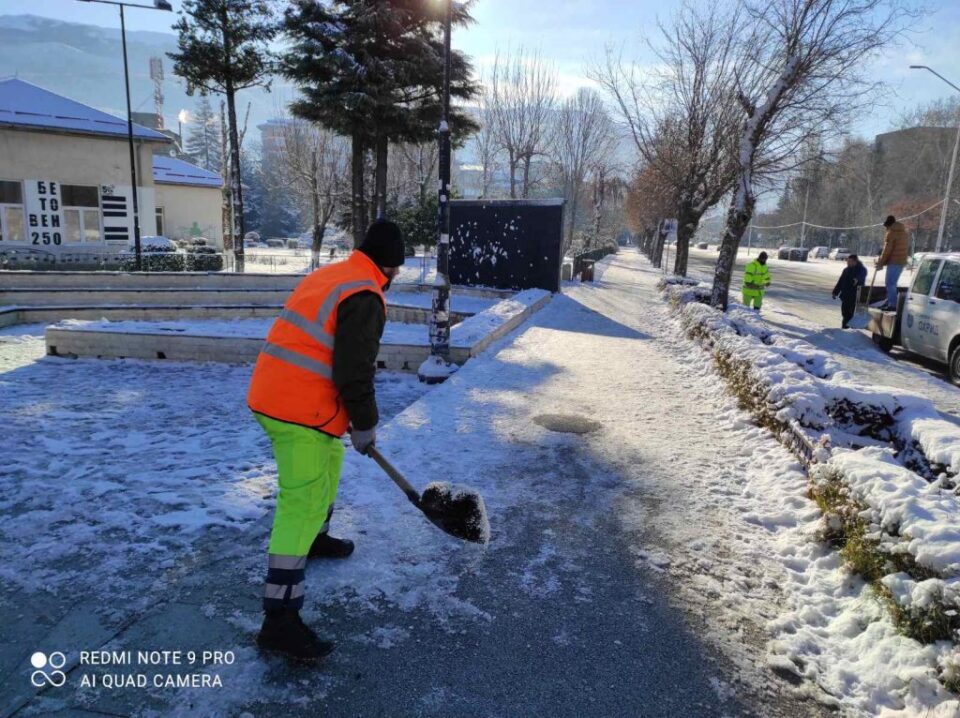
x,y
308,471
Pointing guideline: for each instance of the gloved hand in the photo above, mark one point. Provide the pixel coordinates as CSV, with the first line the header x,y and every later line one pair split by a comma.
x,y
363,439
834,296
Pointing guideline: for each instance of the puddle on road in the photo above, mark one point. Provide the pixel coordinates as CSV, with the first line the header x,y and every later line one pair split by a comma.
x,y
567,423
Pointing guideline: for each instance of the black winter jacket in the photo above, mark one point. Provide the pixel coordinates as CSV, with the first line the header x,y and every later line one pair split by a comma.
x,y
360,322
850,279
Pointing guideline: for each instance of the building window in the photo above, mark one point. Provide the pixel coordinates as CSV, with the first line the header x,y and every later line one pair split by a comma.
x,y
81,213
160,222
11,211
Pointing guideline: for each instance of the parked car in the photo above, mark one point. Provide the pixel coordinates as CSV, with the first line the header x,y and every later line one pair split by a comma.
x,y
840,253
927,318
276,243
793,254
819,252
702,245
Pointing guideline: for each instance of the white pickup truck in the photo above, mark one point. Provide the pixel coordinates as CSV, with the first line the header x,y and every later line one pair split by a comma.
x,y
927,319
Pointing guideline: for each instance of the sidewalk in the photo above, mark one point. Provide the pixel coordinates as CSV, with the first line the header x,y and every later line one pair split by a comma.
x,y
632,570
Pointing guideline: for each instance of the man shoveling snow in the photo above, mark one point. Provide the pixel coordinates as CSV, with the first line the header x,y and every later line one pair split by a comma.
x,y
313,382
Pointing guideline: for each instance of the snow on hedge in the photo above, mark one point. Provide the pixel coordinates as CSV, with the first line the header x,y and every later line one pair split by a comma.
x,y
906,512
884,471
804,384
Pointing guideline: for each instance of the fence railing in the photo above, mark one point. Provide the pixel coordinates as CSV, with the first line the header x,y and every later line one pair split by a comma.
x,y
419,270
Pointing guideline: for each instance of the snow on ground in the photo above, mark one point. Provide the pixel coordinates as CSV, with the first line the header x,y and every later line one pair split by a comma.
x,y
274,260
126,465
615,555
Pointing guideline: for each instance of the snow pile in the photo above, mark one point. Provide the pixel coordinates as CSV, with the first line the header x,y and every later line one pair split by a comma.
x,y
903,512
884,463
789,383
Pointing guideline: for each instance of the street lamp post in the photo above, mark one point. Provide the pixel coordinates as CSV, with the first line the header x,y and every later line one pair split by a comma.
x,y
438,367
953,162
157,5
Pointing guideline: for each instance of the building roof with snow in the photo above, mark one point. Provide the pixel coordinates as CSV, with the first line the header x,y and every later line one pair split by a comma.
x,y
169,170
27,106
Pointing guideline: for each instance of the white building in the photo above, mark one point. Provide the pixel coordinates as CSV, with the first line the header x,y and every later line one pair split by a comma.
x,y
65,178
189,201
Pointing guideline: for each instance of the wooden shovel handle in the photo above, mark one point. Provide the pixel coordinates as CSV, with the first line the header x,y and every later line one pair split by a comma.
x,y
394,474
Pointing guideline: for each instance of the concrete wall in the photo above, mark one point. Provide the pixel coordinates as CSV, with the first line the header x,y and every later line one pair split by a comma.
x,y
80,341
183,205
159,312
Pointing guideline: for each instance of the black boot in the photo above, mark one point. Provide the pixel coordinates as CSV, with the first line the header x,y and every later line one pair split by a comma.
x,y
326,546
285,632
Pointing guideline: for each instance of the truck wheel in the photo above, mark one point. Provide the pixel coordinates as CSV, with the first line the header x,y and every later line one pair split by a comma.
x,y
885,344
954,366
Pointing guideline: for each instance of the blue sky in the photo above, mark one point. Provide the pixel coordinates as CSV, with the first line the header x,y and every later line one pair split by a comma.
x,y
571,33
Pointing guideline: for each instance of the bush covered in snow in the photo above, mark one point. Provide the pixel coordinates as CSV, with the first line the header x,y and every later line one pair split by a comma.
x,y
883,463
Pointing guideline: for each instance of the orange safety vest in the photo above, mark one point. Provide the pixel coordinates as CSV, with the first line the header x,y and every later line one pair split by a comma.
x,y
293,378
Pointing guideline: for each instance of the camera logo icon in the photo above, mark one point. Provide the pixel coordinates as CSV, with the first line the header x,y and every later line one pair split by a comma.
x,y
48,669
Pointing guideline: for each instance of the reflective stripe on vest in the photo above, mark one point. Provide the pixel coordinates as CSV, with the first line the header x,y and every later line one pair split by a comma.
x,y
293,378
315,328
297,359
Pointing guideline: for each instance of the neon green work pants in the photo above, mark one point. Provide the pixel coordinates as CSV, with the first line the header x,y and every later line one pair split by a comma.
x,y
752,297
308,469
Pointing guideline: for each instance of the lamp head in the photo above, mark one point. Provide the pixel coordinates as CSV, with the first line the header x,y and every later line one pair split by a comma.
x,y
163,5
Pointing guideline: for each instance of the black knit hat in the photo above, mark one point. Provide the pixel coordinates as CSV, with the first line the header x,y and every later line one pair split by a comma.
x,y
383,243
889,220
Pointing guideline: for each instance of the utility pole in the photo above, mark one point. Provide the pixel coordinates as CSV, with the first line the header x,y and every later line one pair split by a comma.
x,y
953,163
437,367
157,5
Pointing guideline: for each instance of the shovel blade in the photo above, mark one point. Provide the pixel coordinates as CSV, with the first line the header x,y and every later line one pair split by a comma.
x,y
457,510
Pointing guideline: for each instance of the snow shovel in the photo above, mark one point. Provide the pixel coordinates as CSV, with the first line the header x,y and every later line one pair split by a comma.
x,y
865,304
457,510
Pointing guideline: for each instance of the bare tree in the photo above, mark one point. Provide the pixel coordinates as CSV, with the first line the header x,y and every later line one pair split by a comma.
x,y
524,93
649,199
485,140
683,117
805,74
584,139
413,172
316,164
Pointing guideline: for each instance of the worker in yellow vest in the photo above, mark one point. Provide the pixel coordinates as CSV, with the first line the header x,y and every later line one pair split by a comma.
x,y
312,383
756,279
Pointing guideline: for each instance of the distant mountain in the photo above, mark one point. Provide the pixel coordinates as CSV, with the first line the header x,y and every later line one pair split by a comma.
x,y
85,63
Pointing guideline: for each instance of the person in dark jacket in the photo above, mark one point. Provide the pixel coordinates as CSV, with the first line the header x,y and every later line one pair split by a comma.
x,y
853,277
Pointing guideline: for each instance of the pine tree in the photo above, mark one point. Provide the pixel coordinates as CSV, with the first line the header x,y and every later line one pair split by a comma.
x,y
223,48
373,71
203,143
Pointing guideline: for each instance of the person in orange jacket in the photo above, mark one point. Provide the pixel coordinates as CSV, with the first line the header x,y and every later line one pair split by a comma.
x,y
313,382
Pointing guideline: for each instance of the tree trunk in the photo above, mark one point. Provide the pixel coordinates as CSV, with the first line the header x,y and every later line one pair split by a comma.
x,y
738,218
574,197
227,203
380,177
512,160
526,177
317,231
598,195
358,200
236,182
656,258
687,222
